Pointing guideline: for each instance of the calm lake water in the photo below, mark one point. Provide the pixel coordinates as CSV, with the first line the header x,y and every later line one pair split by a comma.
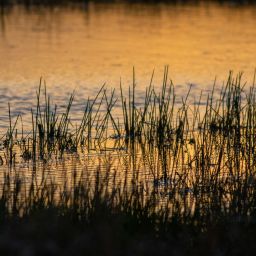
x,y
83,47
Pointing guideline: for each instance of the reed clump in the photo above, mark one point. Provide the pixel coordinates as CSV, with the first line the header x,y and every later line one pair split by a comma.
x,y
157,171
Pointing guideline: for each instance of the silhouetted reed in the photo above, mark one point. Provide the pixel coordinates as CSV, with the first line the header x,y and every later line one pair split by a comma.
x,y
156,165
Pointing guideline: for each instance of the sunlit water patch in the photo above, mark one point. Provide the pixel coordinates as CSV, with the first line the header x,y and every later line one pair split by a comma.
x,y
83,47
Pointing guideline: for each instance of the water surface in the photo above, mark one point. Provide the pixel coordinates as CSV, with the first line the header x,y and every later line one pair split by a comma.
x,y
85,46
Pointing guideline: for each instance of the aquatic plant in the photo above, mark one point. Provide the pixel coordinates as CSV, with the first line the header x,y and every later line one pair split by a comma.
x,y
163,165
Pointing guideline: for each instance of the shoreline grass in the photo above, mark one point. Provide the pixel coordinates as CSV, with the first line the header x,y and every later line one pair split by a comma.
x,y
167,174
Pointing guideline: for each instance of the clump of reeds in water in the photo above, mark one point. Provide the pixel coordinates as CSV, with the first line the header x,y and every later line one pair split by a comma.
x,y
192,165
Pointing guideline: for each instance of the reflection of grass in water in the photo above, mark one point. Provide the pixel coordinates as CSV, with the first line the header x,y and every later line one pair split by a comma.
x,y
102,216
201,167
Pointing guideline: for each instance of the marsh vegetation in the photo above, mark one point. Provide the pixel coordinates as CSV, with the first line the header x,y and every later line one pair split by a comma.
x,y
161,169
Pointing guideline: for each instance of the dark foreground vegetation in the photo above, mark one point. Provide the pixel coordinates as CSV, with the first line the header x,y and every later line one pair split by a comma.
x,y
112,231
170,176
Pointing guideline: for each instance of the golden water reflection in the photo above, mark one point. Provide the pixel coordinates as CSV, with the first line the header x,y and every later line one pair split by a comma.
x,y
82,48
